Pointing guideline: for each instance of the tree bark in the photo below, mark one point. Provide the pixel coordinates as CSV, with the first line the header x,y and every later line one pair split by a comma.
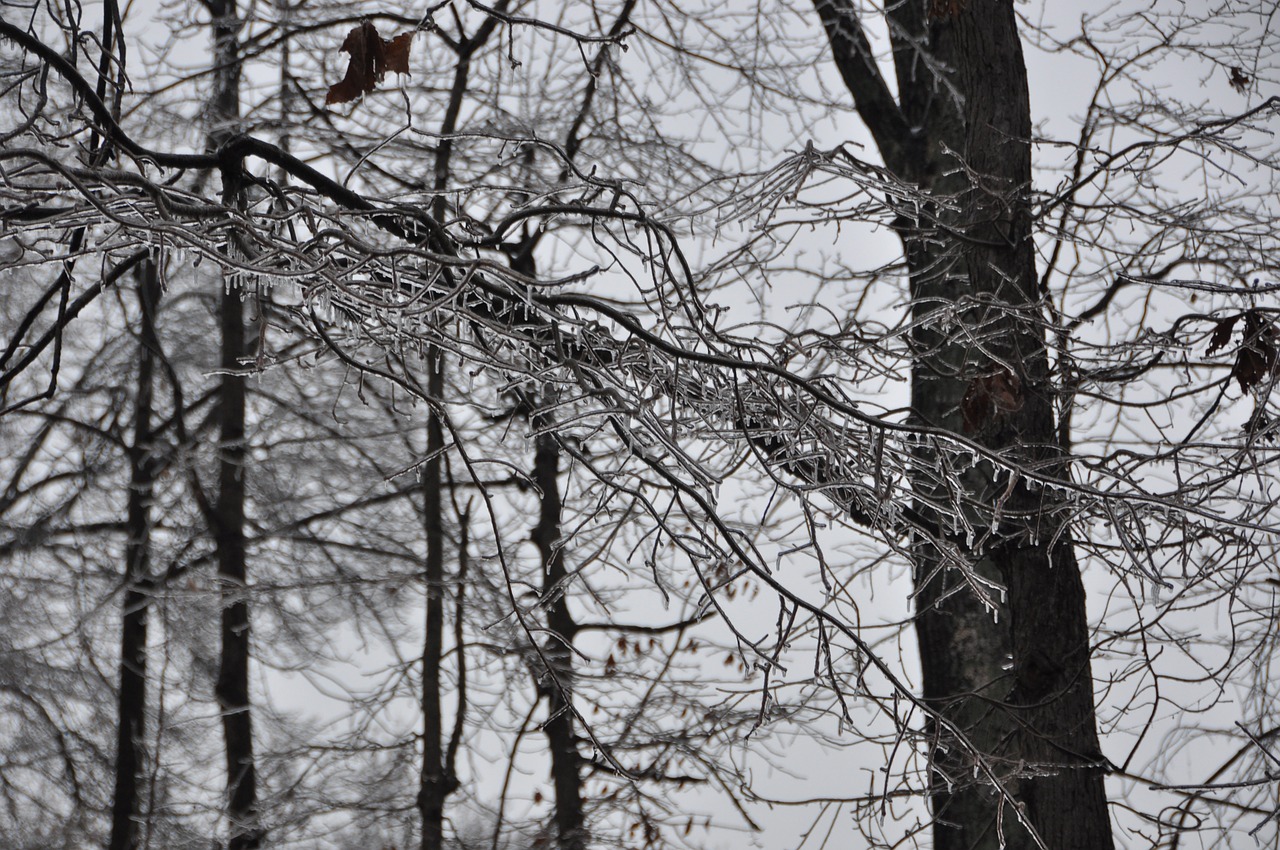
x,y
131,722
959,131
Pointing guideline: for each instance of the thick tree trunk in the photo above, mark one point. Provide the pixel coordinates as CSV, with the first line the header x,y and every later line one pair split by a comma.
x,y
131,726
964,638
566,775
959,130
1051,699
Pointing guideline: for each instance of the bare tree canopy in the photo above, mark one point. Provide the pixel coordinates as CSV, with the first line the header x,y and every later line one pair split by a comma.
x,y
639,424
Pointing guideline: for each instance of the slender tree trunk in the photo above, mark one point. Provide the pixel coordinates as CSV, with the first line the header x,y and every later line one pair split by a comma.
x,y
566,762
958,129
438,778
566,773
232,687
131,723
435,783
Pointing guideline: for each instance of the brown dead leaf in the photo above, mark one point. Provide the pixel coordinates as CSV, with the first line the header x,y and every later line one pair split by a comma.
x,y
1256,358
372,56
1222,333
989,396
1250,368
1240,81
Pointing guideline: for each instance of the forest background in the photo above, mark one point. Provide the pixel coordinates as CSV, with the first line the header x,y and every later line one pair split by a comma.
x,y
638,424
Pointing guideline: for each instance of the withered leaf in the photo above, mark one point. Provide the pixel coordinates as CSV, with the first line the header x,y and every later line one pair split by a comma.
x,y
1250,368
1256,358
1240,81
372,56
945,8
989,396
1222,333
1261,425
